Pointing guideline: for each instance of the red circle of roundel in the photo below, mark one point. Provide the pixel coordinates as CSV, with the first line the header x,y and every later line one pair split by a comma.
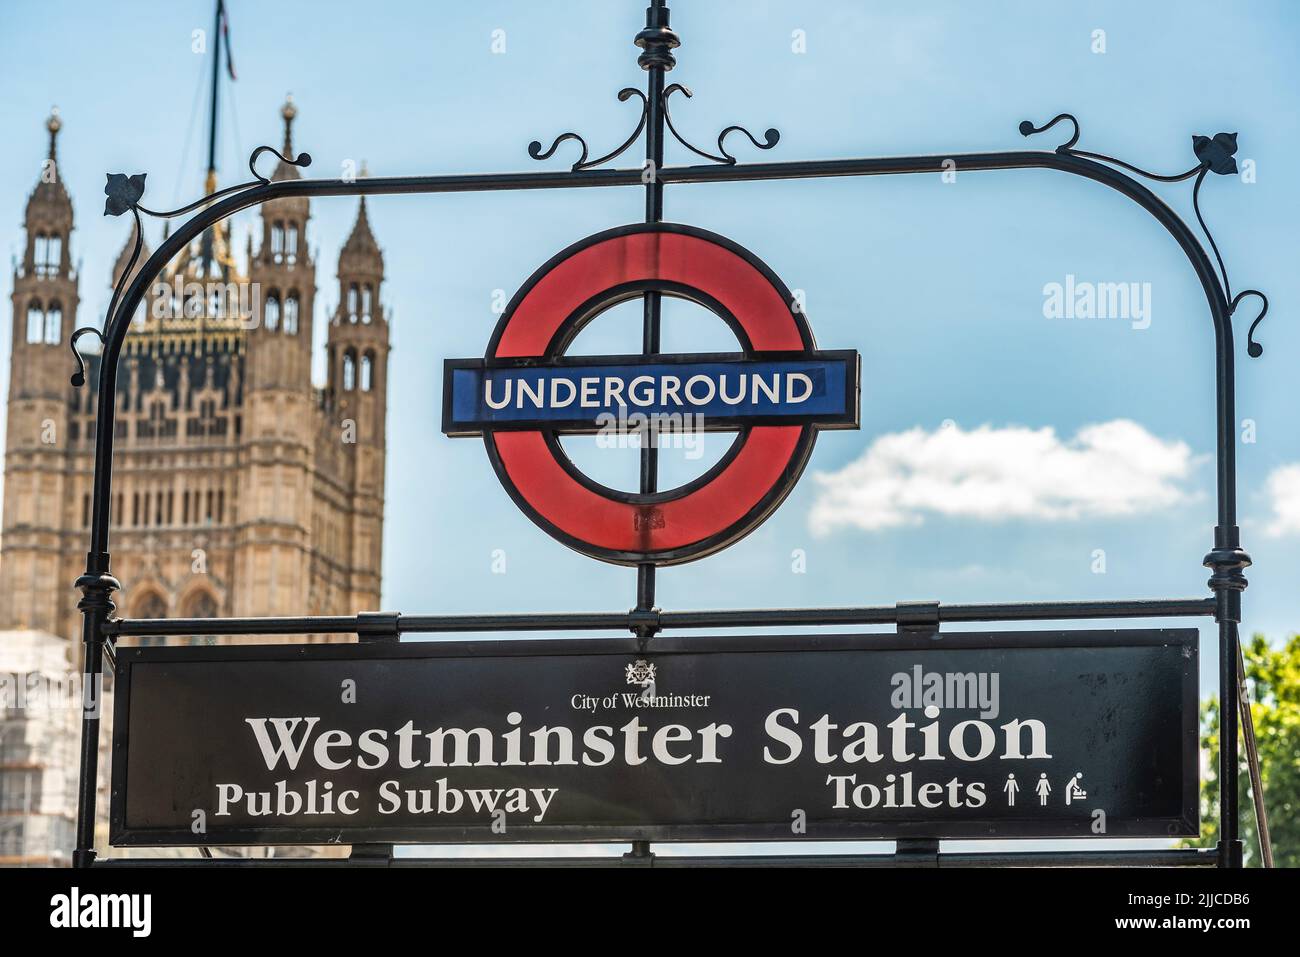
x,y
741,490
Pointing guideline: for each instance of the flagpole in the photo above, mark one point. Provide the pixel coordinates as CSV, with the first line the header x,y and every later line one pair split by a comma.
x,y
207,247
211,186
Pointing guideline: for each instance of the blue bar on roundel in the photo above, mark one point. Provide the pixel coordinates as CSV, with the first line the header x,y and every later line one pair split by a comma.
x,y
587,394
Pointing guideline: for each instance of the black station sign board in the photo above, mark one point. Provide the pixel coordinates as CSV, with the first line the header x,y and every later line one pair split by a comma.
x,y
976,735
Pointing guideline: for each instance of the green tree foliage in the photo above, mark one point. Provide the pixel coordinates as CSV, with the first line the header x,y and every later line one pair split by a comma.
x,y
1273,681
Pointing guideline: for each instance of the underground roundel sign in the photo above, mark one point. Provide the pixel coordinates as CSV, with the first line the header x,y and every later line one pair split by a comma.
x,y
775,394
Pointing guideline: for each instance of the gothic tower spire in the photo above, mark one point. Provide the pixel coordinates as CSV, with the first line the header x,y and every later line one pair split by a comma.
x,y
275,551
54,124
44,302
288,111
356,394
49,213
285,170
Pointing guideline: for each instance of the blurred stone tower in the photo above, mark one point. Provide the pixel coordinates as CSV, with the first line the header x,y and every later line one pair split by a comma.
x,y
39,507
239,488
276,488
357,390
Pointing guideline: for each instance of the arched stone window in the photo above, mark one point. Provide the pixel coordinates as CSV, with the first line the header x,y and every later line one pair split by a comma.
x,y
153,605
366,294
291,314
291,243
367,371
272,310
349,371
53,324
201,605
35,321
277,241
46,253
352,302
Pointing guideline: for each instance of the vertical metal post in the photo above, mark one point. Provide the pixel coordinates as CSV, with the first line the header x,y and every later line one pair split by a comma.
x,y
1227,560
97,587
376,627
657,42
918,620
1230,851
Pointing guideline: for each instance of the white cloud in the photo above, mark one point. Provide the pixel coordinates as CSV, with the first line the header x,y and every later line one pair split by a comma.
x,y
991,474
1284,489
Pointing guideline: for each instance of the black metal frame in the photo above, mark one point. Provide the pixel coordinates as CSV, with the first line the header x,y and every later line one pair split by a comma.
x,y
1226,559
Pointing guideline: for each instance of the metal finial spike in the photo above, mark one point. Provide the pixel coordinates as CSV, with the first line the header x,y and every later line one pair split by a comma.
x,y
657,39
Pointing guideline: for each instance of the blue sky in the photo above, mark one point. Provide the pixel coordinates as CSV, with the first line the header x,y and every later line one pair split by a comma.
x,y
938,285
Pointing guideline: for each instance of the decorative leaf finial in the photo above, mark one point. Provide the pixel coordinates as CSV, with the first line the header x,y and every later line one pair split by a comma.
x,y
123,192
1217,153
1214,155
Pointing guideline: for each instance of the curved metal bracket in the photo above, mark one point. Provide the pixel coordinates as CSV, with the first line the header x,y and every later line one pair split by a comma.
x,y
770,138
1029,129
120,189
625,94
1252,347
1214,155
124,193
302,160
79,377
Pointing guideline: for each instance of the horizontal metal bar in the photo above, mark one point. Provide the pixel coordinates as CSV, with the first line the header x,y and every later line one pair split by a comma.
x,y
596,178
300,625
889,614
858,166
578,621
1173,857
699,173
623,621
